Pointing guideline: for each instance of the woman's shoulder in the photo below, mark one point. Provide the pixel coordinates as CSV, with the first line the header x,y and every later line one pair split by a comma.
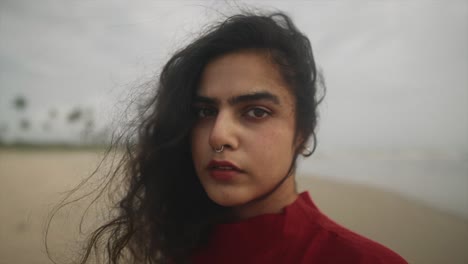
x,y
317,238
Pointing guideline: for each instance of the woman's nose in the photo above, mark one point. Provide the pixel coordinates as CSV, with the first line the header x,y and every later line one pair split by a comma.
x,y
224,132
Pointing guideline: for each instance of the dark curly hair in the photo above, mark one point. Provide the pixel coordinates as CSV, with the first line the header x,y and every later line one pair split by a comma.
x,y
165,213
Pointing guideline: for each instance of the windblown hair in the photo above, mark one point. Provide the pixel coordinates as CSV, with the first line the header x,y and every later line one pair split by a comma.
x,y
165,214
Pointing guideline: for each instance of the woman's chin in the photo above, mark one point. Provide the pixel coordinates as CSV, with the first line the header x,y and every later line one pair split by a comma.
x,y
231,198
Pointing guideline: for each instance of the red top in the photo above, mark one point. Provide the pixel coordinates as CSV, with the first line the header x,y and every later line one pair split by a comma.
x,y
301,234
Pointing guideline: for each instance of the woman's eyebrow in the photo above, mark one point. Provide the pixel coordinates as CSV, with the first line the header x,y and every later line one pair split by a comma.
x,y
256,96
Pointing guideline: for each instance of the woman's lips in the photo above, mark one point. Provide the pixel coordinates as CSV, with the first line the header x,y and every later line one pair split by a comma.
x,y
223,170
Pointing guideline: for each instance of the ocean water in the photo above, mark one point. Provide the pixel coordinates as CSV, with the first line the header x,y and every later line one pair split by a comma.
x,y
438,180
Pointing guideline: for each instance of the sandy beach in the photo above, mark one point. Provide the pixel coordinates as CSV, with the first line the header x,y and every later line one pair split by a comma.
x,y
31,183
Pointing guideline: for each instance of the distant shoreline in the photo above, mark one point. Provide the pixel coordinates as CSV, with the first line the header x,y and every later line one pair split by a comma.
x,y
50,147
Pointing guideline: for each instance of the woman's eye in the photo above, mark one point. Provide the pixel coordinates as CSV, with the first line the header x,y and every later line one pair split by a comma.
x,y
257,113
205,112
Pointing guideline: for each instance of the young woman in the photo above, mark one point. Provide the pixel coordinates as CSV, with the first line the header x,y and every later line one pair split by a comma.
x,y
211,178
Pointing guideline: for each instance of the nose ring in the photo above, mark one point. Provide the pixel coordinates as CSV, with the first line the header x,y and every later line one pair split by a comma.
x,y
219,150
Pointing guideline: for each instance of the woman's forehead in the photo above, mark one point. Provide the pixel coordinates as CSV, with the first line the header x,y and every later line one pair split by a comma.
x,y
242,73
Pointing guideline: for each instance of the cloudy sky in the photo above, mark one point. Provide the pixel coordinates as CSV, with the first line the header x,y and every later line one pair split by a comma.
x,y
396,71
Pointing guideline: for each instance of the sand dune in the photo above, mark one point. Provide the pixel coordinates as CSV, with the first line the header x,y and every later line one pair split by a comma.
x,y
31,183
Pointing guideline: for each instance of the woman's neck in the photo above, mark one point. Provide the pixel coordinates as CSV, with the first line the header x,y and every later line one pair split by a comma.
x,y
273,203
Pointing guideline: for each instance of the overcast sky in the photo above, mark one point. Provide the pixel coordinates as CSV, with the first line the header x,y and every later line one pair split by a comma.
x,y
396,71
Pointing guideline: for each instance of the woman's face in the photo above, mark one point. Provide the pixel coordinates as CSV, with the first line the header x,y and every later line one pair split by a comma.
x,y
244,105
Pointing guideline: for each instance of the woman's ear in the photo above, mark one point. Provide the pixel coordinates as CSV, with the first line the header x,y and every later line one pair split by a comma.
x,y
302,147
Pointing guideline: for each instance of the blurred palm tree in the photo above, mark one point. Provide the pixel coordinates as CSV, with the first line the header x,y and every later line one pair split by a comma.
x,y
75,115
84,118
20,103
